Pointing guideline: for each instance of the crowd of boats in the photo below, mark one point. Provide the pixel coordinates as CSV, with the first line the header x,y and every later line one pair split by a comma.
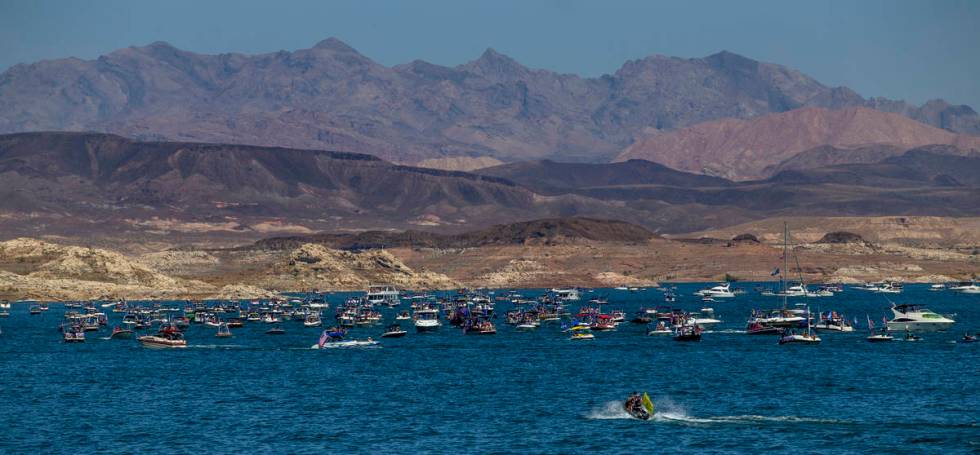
x,y
162,325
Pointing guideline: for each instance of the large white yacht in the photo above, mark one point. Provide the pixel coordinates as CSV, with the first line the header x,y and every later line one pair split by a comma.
x,y
383,294
567,294
915,318
723,290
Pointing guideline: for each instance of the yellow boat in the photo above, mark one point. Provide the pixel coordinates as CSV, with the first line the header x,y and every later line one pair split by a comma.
x,y
581,332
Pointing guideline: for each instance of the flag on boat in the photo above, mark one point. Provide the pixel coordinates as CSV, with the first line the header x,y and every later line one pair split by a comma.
x,y
775,272
323,338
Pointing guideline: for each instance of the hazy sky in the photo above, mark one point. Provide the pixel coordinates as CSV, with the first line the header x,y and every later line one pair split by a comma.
x,y
913,50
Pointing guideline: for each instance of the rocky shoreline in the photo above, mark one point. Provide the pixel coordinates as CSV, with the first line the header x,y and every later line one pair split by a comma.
x,y
36,269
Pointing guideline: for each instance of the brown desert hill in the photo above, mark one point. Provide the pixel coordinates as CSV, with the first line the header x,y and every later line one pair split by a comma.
x,y
916,168
535,232
828,155
80,184
744,149
112,190
332,97
76,172
550,177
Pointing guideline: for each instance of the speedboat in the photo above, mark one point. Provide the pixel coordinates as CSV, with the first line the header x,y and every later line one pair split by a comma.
x,y
120,333
784,318
832,321
687,333
915,318
528,323
334,338
313,320
403,316
705,318
870,287
966,287
723,290
798,338
167,337
275,330
393,331
346,344
427,319
641,317
937,288
757,328
661,329
881,336
891,287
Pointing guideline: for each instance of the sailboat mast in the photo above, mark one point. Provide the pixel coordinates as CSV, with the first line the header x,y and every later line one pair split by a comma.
x,y
782,276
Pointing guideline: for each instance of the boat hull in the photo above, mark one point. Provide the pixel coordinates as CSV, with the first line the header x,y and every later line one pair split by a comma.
x,y
919,326
161,343
345,344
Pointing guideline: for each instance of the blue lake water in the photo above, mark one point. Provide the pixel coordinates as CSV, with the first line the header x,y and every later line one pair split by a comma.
x,y
513,392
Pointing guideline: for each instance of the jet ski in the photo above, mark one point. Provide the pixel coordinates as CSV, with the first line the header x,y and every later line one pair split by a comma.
x,y
639,407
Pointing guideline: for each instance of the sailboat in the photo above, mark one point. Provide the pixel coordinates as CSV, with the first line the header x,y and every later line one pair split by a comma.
x,y
223,331
791,337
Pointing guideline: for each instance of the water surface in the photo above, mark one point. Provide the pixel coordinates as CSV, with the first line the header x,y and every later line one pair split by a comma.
x,y
514,392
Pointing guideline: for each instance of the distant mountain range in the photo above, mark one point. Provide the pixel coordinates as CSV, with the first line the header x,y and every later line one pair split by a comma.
x,y
330,97
751,149
96,185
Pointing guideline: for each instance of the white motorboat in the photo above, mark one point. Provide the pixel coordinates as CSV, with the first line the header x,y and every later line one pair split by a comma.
x,y
528,325
313,320
427,319
807,337
937,288
345,344
833,324
723,290
167,337
705,318
915,318
891,287
880,337
661,329
966,287
870,287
